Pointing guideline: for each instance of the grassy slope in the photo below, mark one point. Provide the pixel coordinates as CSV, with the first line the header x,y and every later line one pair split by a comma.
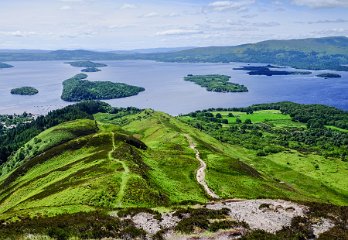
x,y
104,169
229,176
308,177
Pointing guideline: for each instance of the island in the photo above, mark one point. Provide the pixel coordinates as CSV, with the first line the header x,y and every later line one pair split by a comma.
x,y
216,83
266,71
5,65
24,91
91,69
329,75
78,88
87,64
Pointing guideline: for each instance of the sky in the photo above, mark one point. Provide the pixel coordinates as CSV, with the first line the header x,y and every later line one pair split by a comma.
x,y
130,24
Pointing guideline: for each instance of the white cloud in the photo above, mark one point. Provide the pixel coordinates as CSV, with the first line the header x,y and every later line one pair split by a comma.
x,y
230,5
332,32
322,3
71,0
151,14
338,20
173,32
65,7
266,24
17,33
127,6
172,14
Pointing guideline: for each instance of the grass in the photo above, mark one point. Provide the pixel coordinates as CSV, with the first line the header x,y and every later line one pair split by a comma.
x,y
337,129
256,117
145,161
48,139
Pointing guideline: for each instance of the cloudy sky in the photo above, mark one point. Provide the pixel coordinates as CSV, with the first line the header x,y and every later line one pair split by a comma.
x,y
130,24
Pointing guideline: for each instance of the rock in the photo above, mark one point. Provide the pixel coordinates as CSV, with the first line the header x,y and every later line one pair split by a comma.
x,y
269,219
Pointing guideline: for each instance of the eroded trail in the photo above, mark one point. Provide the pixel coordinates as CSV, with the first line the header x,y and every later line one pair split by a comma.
x,y
125,175
200,176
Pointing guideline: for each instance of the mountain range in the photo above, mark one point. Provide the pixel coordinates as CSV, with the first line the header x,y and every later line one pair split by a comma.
x,y
313,53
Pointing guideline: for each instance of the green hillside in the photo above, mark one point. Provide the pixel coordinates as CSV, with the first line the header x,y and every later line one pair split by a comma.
x,y
144,160
312,53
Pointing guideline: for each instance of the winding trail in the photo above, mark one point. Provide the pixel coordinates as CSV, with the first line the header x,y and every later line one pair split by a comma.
x,y
125,175
200,176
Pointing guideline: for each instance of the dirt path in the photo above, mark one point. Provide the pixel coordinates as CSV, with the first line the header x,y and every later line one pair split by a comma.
x,y
125,175
200,176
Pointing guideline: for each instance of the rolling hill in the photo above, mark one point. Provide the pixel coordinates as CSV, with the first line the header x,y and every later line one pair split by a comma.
x,y
149,161
313,53
141,160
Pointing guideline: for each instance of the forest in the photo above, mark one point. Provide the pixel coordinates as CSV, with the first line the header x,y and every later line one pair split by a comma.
x,y
266,71
87,64
216,83
77,89
91,69
24,91
309,128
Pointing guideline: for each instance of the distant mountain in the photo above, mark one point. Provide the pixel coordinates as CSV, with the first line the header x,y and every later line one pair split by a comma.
x,y
312,53
151,50
24,51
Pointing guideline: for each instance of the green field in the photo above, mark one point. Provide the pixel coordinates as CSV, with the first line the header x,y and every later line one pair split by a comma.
x,y
256,117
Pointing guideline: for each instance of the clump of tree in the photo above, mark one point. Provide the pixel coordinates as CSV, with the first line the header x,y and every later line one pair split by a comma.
x,y
266,139
216,83
25,91
77,89
91,69
87,64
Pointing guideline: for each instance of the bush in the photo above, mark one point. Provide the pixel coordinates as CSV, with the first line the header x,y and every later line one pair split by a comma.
x,y
188,225
216,226
260,235
248,121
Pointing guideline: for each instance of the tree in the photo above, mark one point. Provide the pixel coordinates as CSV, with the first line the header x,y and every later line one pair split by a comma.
x,y
238,121
248,121
218,115
230,115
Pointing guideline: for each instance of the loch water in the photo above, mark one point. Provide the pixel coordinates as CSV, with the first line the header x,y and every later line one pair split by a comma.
x,y
165,88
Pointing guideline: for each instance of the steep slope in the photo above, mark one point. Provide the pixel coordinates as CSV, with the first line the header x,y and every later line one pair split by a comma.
x,y
82,174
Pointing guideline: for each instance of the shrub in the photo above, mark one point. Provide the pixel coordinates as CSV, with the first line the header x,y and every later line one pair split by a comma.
x,y
216,226
188,225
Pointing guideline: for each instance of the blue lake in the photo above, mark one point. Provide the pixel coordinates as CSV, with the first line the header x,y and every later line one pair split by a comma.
x,y
165,88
